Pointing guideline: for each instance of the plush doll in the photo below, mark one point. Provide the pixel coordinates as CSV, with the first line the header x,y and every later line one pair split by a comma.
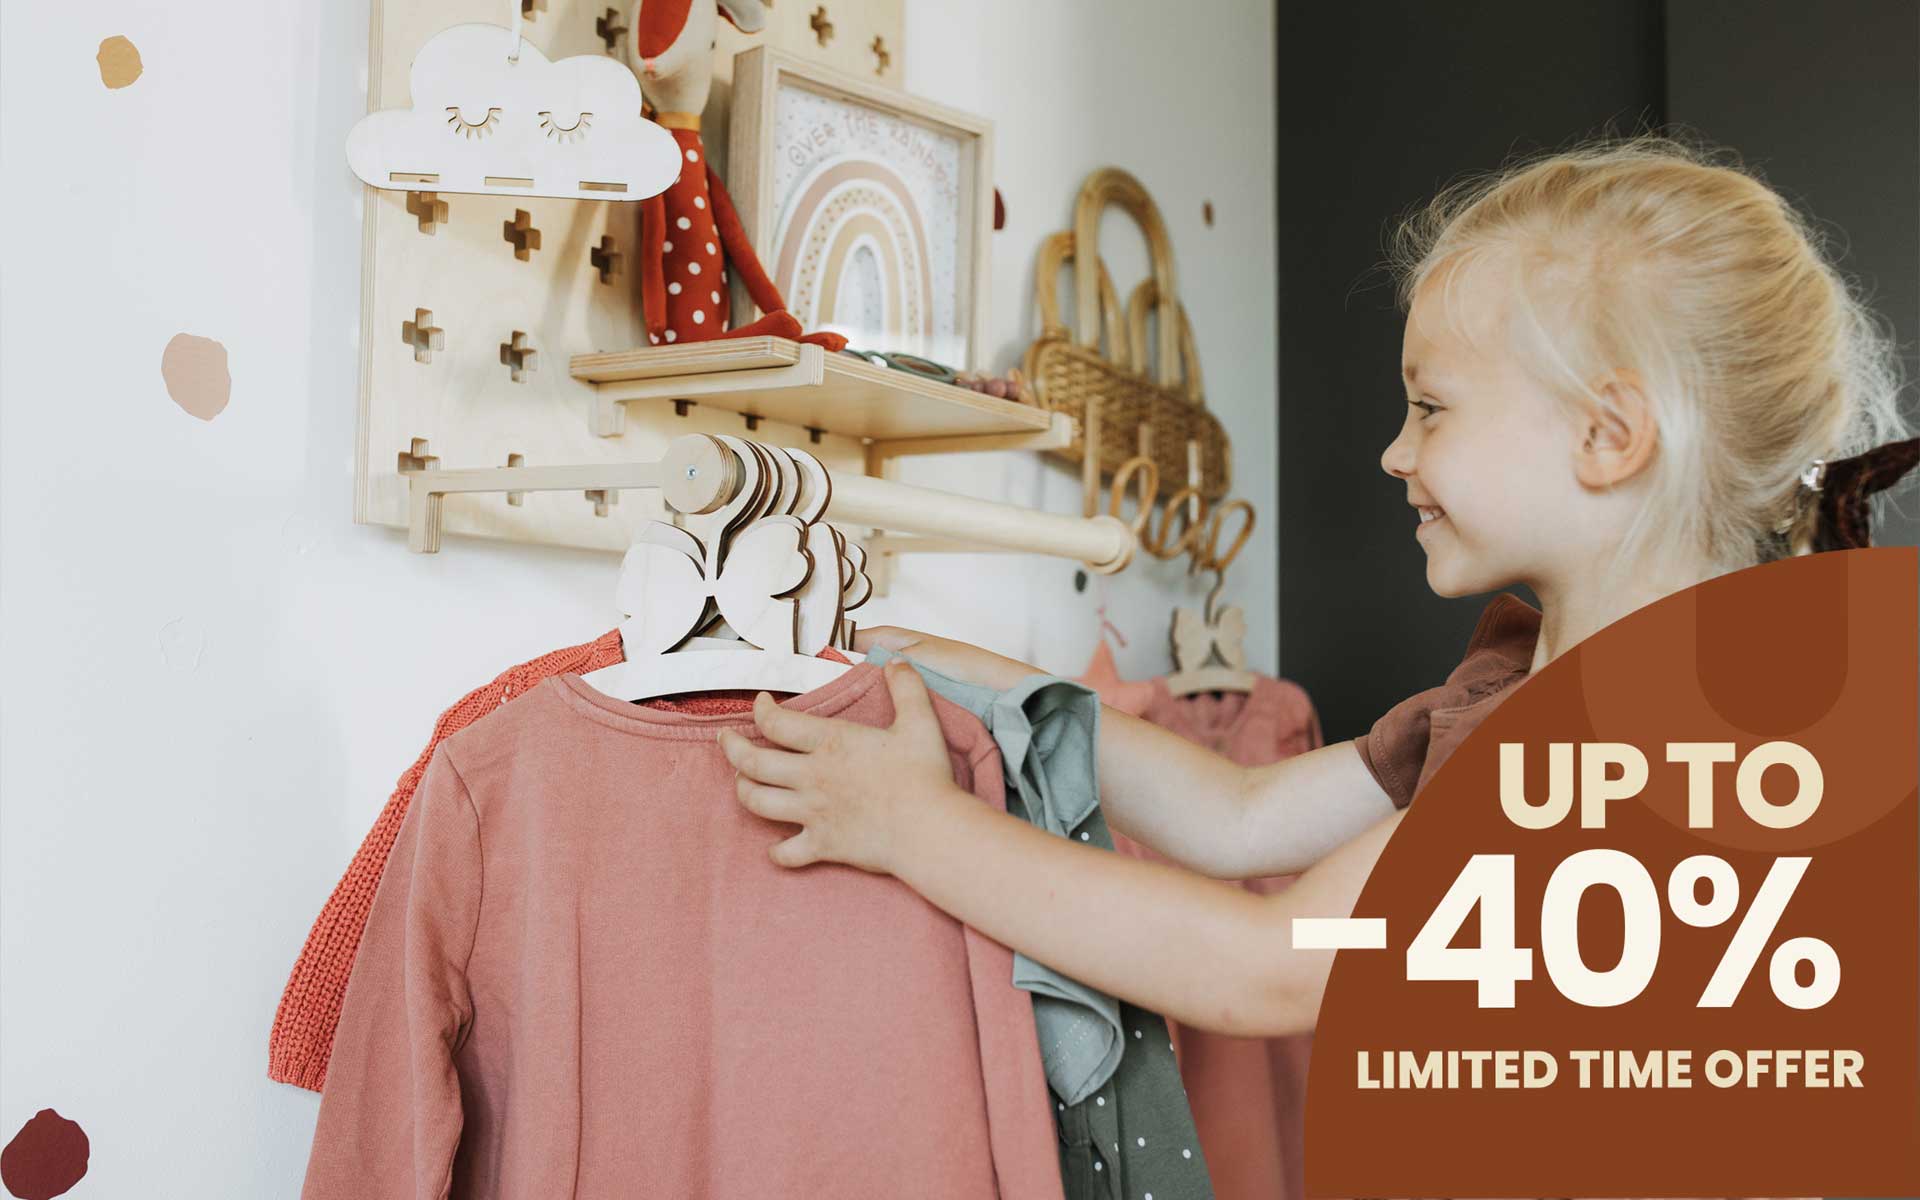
x,y
690,236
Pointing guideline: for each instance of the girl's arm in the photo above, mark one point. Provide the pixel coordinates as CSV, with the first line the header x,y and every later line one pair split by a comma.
x,y
1205,954
1198,808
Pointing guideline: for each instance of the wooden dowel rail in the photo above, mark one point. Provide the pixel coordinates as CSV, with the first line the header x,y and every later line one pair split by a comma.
x,y
694,481
1103,543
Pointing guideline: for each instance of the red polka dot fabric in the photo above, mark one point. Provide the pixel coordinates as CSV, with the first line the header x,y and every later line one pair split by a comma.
x,y
691,259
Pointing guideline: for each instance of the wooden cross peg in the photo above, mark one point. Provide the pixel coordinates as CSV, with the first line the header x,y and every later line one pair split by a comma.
x,y
429,208
423,335
416,458
517,499
519,356
521,233
880,55
822,28
610,27
606,258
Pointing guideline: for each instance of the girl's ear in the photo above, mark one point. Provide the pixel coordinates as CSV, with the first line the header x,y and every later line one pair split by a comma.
x,y
748,16
1618,433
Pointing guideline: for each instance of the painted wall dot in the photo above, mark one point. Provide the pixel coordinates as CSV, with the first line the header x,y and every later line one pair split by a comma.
x,y
45,1159
195,371
119,62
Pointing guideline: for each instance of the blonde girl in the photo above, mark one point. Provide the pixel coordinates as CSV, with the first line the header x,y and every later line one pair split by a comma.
x,y
1619,363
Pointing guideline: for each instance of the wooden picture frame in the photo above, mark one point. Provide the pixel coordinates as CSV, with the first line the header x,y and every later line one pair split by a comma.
x,y
871,209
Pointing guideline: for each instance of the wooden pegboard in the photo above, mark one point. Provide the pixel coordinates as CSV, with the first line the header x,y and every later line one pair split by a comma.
x,y
471,306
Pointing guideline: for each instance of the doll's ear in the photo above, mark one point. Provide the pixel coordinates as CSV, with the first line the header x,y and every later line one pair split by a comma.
x,y
748,16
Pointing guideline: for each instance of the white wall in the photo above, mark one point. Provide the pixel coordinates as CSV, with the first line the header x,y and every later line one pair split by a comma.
x,y
212,677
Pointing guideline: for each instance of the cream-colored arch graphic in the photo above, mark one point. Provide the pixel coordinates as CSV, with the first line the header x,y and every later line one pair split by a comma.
x,y
848,203
864,231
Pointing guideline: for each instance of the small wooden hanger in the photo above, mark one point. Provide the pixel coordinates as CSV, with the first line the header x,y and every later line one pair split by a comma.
x,y
1209,648
761,566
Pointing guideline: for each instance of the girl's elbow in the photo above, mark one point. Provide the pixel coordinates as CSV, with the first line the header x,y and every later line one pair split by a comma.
x,y
1274,992
1260,1005
1294,1006
1288,983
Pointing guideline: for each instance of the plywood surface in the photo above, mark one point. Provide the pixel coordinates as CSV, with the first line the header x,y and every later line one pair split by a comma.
x,y
847,396
439,303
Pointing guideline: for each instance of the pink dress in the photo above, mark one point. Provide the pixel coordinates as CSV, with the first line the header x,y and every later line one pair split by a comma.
x,y
1248,1094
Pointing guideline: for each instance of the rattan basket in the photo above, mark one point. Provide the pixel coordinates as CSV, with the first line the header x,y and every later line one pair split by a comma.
x,y
1108,363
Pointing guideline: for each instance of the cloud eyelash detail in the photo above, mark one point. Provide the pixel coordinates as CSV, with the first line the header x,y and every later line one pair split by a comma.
x,y
465,128
566,133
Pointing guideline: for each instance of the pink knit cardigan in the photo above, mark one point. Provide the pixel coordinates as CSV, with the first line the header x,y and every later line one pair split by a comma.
x,y
302,1037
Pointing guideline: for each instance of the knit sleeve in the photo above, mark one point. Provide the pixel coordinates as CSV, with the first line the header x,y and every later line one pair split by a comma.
x,y
390,1116
309,1011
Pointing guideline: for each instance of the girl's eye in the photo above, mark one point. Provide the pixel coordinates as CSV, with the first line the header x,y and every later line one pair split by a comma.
x,y
1427,408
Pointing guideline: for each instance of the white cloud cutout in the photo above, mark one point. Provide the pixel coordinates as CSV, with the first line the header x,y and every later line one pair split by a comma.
x,y
480,123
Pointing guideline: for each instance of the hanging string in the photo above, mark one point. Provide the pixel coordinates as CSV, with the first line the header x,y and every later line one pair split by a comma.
x,y
513,24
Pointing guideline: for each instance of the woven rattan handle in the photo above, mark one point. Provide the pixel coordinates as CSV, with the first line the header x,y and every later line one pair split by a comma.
x,y
1167,372
1057,252
1111,185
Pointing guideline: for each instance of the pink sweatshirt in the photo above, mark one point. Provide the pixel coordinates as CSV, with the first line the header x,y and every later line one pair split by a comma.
x,y
582,976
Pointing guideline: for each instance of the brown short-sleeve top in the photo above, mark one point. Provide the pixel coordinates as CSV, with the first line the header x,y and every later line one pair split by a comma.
x,y
1408,744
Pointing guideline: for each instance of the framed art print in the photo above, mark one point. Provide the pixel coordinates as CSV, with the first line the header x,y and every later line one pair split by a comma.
x,y
869,208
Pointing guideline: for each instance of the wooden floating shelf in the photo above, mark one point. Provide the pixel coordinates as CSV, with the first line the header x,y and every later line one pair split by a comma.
x,y
776,379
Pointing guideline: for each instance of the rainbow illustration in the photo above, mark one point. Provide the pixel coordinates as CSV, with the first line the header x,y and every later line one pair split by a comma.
x,y
854,256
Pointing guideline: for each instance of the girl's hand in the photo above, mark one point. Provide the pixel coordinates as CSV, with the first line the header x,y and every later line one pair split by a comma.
x,y
969,664
850,787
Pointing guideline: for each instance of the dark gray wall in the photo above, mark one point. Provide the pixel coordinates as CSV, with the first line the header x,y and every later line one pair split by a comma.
x,y
1380,105
1824,99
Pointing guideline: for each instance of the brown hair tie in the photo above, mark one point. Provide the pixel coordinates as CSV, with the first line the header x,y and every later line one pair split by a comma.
x,y
1845,487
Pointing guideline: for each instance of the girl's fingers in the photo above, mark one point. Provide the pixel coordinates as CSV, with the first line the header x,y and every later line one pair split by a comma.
x,y
912,708
892,637
773,803
796,851
794,730
764,763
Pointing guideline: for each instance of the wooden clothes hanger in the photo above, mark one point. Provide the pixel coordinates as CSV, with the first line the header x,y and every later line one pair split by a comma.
x,y
759,565
1209,648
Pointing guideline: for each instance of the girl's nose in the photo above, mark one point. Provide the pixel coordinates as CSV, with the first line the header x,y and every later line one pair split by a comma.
x,y
1397,459
649,67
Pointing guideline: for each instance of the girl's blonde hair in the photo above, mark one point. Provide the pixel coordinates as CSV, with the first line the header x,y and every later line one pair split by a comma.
x,y
1647,257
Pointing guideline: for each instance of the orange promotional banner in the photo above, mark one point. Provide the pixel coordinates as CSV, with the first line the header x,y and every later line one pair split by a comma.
x,y
1653,929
